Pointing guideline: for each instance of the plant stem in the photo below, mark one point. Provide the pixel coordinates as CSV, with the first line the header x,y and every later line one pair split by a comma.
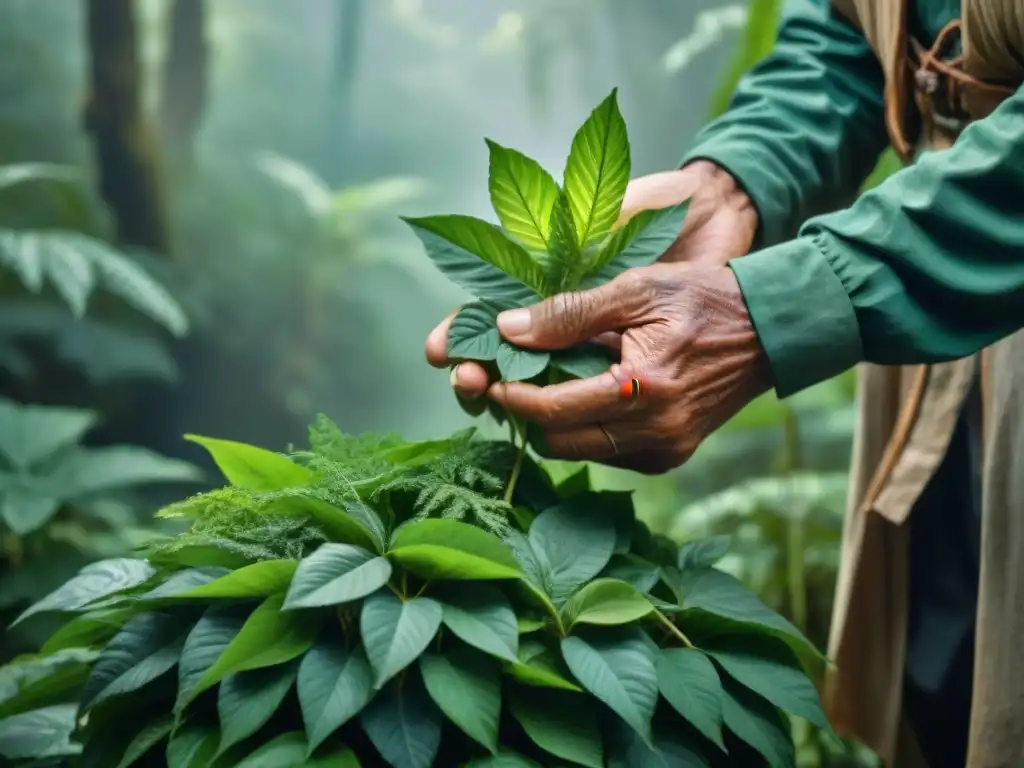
x,y
422,589
795,544
518,466
673,628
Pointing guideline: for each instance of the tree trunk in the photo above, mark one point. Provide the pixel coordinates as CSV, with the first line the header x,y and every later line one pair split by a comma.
x,y
185,77
126,151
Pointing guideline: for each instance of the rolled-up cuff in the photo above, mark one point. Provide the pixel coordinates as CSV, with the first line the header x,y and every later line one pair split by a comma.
x,y
801,312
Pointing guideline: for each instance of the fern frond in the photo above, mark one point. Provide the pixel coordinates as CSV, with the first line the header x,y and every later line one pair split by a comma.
x,y
76,265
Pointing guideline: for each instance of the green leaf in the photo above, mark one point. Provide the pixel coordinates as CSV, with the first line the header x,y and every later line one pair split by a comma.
x,y
252,468
95,581
148,646
618,668
247,700
286,751
145,740
467,687
257,580
642,574
517,364
31,433
484,619
689,682
572,544
449,549
182,582
396,632
41,733
658,230
335,683
717,604
206,642
341,757
89,629
342,523
757,723
473,334
479,257
192,745
607,602
538,666
334,574
522,194
31,682
268,637
703,553
504,759
584,361
769,668
597,171
564,263
561,723
666,751
403,724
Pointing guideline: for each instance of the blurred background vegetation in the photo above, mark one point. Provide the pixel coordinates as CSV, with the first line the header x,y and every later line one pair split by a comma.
x,y
199,233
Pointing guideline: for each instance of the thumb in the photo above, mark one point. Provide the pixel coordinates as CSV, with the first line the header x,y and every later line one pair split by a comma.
x,y
572,318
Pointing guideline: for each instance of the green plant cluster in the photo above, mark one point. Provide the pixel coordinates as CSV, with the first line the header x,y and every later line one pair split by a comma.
x,y
552,239
332,607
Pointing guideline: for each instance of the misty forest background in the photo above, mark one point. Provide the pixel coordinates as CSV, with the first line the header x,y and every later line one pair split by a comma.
x,y
199,232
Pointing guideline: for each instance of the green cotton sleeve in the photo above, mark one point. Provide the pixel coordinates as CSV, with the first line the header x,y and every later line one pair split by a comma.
x,y
926,267
806,126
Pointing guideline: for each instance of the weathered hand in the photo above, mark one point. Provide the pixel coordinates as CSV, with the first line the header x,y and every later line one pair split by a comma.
x,y
686,335
720,225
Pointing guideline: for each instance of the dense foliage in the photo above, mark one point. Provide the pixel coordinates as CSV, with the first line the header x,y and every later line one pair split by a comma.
x,y
371,597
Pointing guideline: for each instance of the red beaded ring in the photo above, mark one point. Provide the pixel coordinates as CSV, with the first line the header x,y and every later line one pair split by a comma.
x,y
631,389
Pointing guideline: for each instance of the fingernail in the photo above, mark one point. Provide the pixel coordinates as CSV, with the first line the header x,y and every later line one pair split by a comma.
x,y
515,322
453,379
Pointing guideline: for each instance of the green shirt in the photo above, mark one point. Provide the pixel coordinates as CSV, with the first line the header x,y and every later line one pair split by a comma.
x,y
926,267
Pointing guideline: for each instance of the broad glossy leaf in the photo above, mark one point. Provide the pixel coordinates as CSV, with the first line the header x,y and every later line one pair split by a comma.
x,y
95,581
584,361
539,667
479,257
396,632
564,263
618,668
334,574
31,682
351,523
518,364
484,619
769,668
466,685
27,502
181,582
703,553
522,194
335,683
255,469
403,724
247,700
667,750
257,580
31,433
473,334
689,682
41,733
757,723
449,549
572,543
268,637
192,746
146,739
659,231
717,604
285,751
206,642
147,647
597,171
605,601
504,759
561,723
642,574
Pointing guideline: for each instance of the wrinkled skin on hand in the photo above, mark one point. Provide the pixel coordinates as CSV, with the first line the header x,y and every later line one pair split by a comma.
x,y
682,327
